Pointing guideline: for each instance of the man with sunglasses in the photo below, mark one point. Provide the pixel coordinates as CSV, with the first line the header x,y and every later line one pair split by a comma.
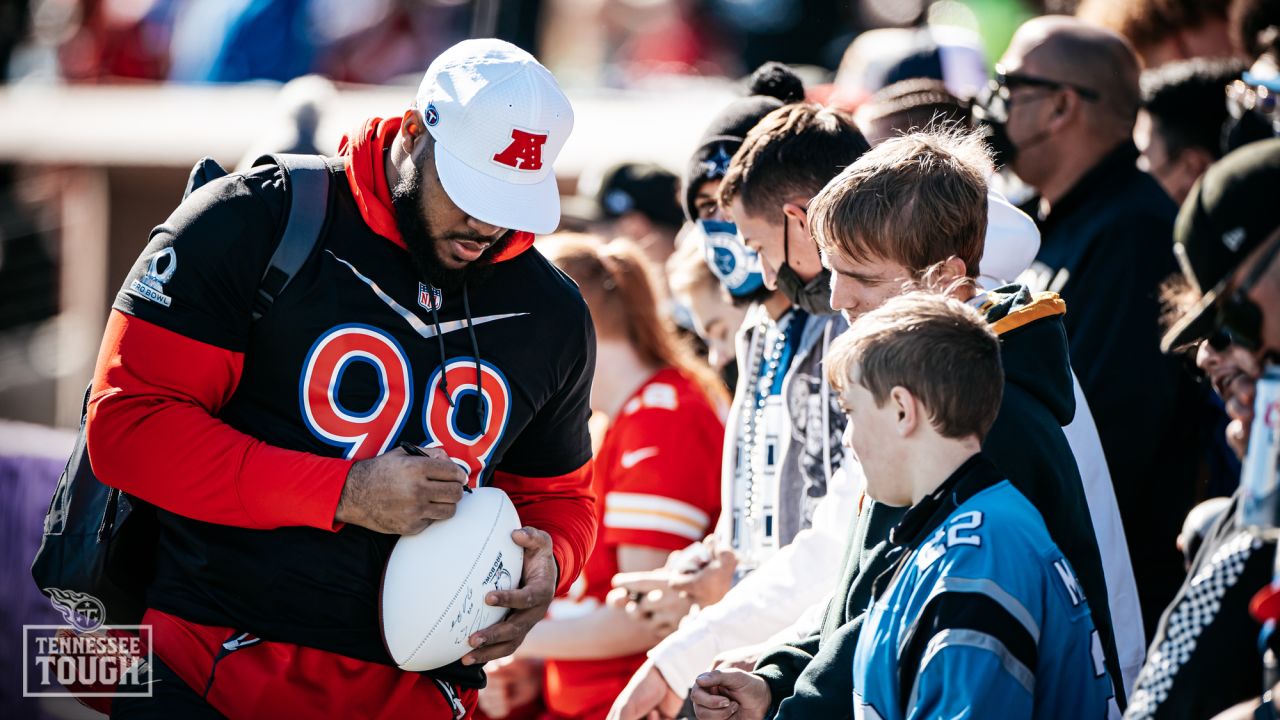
x,y
1060,114
1206,655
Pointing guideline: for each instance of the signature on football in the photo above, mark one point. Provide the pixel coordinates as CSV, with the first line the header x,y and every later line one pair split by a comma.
x,y
467,621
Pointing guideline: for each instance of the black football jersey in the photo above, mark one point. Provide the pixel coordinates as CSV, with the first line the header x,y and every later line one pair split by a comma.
x,y
347,363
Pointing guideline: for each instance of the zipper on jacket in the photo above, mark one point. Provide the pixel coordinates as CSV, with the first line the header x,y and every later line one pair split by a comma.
x,y
235,642
459,711
109,515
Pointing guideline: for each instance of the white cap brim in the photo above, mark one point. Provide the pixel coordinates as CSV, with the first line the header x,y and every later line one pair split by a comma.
x,y
1011,244
533,207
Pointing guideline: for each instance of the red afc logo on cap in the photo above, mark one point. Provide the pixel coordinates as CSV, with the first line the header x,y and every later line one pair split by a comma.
x,y
524,152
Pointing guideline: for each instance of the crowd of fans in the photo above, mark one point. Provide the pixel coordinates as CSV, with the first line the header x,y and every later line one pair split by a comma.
x,y
1094,225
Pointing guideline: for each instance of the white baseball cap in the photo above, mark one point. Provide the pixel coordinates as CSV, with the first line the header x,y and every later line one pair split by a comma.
x,y
499,120
1011,244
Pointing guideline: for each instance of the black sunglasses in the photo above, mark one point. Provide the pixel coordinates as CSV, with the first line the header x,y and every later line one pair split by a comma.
x,y
1012,80
1221,339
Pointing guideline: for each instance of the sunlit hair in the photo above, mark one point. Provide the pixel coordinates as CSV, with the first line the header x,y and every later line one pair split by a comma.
x,y
616,281
916,200
1177,298
790,154
938,348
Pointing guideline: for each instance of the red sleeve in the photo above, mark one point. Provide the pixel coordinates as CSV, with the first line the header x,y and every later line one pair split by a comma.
x,y
664,476
152,432
564,507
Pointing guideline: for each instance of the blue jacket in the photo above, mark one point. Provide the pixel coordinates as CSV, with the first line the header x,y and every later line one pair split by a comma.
x,y
979,615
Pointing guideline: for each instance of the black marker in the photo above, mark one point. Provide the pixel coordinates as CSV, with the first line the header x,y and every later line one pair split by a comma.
x,y
412,449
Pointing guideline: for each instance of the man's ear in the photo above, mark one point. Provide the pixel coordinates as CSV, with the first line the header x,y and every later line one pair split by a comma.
x,y
1065,106
797,212
412,130
904,405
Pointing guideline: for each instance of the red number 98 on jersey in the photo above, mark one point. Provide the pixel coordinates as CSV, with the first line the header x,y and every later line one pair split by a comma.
x,y
366,433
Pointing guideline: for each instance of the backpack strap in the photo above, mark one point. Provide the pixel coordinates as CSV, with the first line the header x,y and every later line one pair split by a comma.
x,y
308,180
202,173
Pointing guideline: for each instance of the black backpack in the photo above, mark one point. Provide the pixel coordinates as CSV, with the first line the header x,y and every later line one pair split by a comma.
x,y
101,541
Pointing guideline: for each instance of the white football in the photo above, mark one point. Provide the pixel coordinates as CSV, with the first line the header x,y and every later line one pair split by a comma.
x,y
435,582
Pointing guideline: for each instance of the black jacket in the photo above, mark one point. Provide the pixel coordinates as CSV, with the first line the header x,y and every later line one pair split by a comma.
x,y
1106,247
813,678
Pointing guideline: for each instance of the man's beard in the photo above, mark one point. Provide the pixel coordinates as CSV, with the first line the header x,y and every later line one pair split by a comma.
x,y
424,251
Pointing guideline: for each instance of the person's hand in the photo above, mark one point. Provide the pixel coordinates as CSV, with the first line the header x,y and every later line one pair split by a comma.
x,y
653,626
1238,393
529,601
706,584
1239,404
513,683
724,694
743,658
401,494
646,697
649,599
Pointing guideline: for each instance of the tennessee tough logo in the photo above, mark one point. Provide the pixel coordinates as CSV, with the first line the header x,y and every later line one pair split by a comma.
x,y
524,152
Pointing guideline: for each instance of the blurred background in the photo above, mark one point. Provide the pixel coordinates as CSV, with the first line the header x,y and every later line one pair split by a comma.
x,y
105,105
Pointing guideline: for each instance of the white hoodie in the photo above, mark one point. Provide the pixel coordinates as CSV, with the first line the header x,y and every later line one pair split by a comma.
x,y
1011,245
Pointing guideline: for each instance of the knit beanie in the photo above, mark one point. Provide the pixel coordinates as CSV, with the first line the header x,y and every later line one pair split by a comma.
x,y
772,85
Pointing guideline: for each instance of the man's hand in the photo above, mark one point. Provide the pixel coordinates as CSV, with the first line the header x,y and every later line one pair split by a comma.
x,y
512,685
707,583
646,697
529,601
650,600
401,494
1239,404
723,694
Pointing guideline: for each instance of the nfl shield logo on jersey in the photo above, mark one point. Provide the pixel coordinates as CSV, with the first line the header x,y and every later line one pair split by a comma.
x,y
429,297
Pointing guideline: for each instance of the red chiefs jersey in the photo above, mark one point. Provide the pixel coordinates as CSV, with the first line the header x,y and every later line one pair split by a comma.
x,y
657,480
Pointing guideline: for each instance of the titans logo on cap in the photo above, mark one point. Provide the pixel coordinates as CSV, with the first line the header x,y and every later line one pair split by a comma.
x,y
432,116
733,263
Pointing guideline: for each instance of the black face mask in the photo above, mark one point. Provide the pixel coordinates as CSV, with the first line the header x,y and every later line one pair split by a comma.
x,y
814,297
996,135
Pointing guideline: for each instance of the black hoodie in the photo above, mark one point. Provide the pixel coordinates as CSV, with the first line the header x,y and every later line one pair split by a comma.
x,y
813,678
